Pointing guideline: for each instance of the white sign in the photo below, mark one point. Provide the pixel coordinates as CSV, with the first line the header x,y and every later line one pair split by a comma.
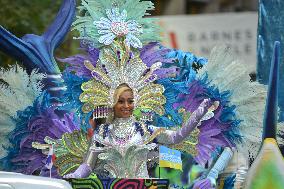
x,y
200,33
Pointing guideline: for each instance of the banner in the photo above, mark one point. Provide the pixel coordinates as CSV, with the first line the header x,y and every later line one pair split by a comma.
x,y
50,158
200,33
170,158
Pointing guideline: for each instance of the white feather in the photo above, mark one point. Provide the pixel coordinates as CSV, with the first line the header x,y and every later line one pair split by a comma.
x,y
17,92
5,130
249,97
21,89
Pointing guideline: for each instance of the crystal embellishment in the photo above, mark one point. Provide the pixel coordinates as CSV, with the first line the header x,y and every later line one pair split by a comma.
x,y
117,25
123,67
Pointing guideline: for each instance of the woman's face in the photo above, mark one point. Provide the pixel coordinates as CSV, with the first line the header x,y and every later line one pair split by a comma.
x,y
125,105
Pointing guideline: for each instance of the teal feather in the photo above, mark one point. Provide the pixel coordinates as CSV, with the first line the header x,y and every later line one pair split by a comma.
x,y
95,10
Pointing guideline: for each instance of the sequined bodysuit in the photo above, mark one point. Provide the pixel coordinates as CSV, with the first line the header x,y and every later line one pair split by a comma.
x,y
124,151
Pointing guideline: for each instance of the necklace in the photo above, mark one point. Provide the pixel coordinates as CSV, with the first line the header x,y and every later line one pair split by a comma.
x,y
123,130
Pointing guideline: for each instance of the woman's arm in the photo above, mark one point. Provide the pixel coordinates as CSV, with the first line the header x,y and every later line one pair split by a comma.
x,y
85,169
174,137
219,166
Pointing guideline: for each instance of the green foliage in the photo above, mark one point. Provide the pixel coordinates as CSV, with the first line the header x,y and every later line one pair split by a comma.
x,y
27,16
22,17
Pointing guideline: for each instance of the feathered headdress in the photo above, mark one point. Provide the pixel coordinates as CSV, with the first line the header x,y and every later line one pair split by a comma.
x,y
114,69
105,21
117,28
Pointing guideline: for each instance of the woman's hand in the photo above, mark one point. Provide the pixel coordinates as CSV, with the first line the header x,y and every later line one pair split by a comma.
x,y
221,163
83,171
189,126
207,183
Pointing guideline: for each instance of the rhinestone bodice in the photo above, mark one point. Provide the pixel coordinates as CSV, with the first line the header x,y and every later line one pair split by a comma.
x,y
122,130
123,141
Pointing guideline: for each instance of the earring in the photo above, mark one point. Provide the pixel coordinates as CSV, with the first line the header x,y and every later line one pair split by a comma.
x,y
101,112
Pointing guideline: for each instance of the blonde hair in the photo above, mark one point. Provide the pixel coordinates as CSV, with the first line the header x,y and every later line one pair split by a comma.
x,y
119,90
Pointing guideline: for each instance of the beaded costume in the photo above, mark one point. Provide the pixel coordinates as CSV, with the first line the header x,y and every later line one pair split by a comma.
x,y
181,101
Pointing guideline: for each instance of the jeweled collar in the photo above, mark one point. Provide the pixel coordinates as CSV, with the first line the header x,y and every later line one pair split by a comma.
x,y
118,122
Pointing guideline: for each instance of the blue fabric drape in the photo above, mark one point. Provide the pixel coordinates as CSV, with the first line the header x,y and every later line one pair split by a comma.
x,y
270,29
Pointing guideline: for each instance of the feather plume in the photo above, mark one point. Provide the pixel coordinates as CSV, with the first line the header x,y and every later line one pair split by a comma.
x,y
33,125
249,97
18,91
76,63
95,10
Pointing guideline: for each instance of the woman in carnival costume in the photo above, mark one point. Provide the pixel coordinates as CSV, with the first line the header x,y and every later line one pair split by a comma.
x,y
145,92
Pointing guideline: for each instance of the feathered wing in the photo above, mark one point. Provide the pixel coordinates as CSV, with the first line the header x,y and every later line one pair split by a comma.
x,y
184,92
27,116
248,97
18,91
34,124
239,115
6,124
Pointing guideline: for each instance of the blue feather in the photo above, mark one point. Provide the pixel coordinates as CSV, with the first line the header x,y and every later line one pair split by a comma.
x,y
172,90
70,98
187,63
230,182
21,130
228,114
